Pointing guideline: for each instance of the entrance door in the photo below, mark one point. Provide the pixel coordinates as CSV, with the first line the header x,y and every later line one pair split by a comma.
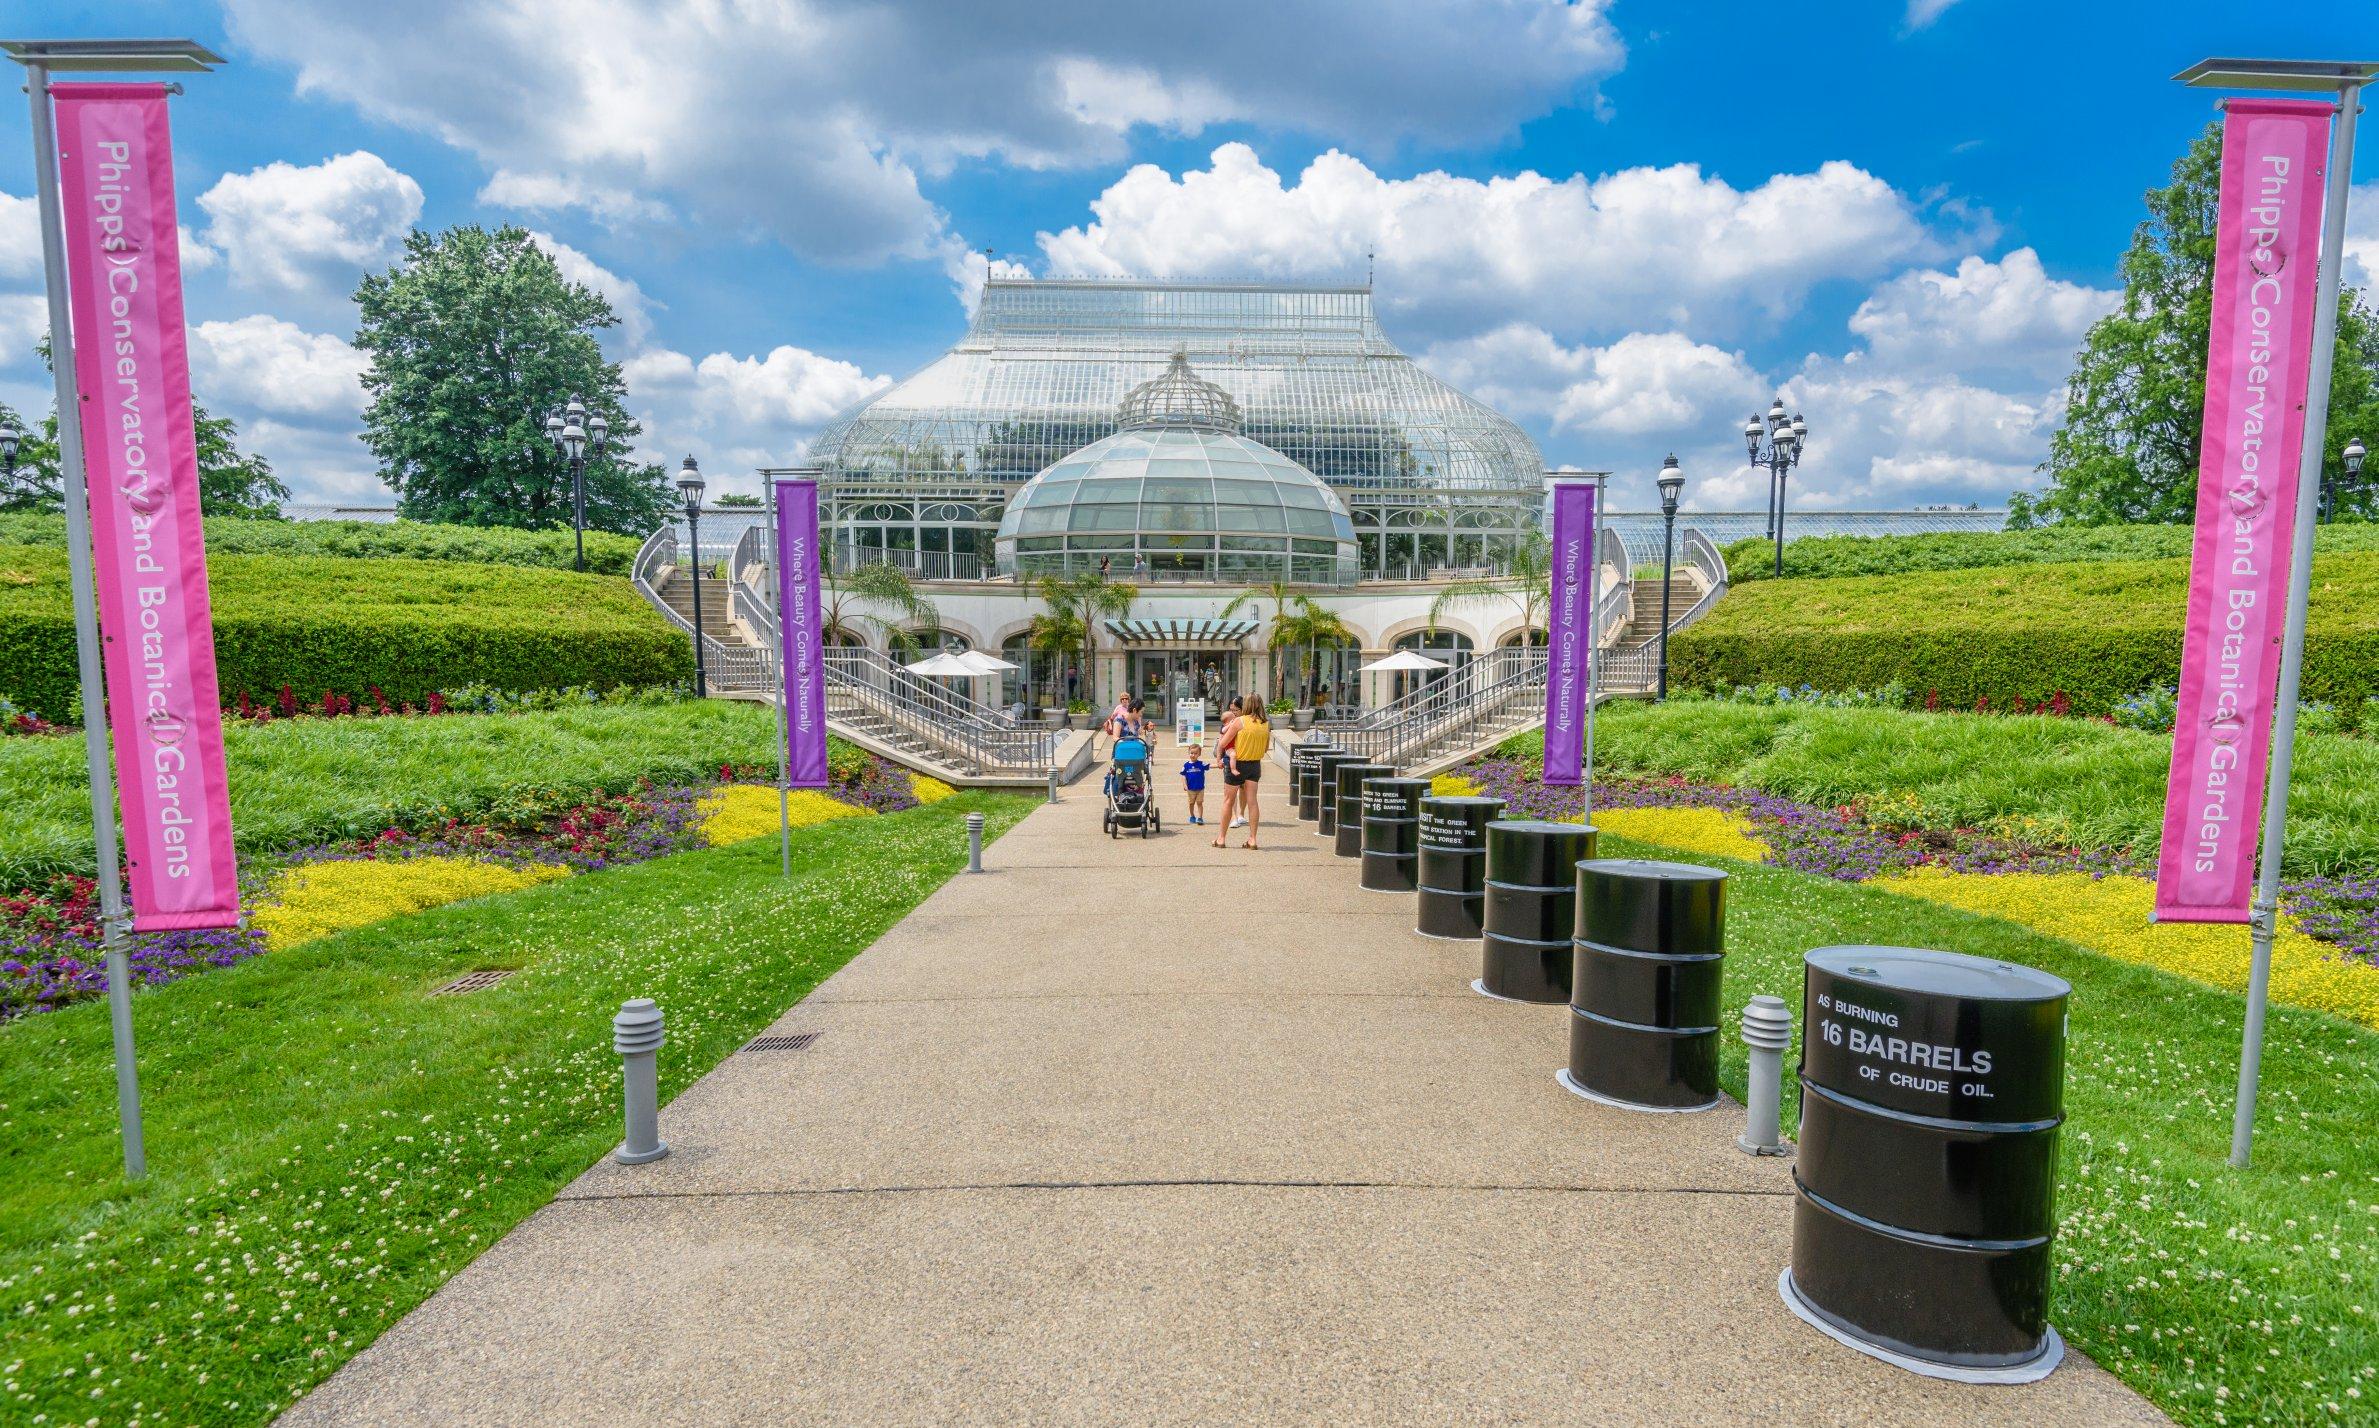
x,y
1168,679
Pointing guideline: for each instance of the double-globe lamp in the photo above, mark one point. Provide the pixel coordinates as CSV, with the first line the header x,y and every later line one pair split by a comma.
x,y
2351,457
689,485
577,434
11,441
1787,438
1672,485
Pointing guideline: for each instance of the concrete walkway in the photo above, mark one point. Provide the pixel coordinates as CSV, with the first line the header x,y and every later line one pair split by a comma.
x,y
1138,1132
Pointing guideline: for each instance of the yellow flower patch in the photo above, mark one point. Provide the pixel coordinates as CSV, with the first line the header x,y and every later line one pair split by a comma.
x,y
928,788
737,811
1453,785
318,899
2110,916
1712,832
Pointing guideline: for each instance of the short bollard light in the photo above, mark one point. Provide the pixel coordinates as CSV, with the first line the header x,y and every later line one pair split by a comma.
x,y
637,1034
974,842
1767,1030
1053,784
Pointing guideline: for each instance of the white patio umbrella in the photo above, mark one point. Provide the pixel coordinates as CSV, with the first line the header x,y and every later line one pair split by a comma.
x,y
946,666
1402,662
983,663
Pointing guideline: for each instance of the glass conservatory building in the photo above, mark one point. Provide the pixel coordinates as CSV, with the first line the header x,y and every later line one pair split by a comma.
x,y
1420,476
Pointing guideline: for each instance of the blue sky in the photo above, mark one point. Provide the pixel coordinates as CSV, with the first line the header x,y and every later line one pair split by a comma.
x,y
1627,224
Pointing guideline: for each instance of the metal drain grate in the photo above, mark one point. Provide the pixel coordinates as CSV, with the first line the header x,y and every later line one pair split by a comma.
x,y
797,1041
474,982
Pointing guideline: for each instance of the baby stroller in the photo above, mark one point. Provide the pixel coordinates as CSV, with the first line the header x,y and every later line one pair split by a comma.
x,y
1130,804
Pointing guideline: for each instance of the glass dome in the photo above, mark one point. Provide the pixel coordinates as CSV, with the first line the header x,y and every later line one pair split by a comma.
x,y
1179,503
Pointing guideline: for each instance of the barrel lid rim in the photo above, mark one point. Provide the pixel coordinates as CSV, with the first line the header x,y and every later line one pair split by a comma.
x,y
1537,824
1837,960
1465,798
1694,872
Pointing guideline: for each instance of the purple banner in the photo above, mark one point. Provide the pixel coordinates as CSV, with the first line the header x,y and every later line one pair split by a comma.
x,y
801,649
124,277
1570,632
2267,235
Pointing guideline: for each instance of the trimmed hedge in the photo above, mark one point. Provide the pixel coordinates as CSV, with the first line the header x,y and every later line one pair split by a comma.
x,y
606,554
1837,557
2097,632
407,627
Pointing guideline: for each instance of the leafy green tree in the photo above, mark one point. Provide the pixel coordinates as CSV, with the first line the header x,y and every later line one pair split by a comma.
x,y
739,501
1057,635
230,482
1309,625
2135,410
474,336
1278,591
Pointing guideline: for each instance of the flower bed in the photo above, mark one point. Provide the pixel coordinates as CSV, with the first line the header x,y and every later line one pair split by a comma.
x,y
50,952
2327,957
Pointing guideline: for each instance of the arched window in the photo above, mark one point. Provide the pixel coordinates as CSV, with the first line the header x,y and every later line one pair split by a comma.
x,y
1445,646
1532,637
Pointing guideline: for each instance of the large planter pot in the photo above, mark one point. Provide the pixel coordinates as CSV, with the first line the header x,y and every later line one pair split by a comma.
x,y
1302,719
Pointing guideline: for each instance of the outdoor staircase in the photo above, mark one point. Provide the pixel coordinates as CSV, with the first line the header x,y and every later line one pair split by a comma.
x,y
676,592
1643,616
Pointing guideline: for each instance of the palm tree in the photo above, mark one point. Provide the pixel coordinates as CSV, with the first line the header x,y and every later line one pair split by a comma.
x,y
1055,635
1086,599
1527,581
849,597
1312,626
1279,592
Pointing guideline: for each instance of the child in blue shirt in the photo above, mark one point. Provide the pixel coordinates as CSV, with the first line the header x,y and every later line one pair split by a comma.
x,y
1193,778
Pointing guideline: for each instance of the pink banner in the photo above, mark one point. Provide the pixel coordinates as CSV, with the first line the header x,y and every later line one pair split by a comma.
x,y
2267,244
124,273
1569,634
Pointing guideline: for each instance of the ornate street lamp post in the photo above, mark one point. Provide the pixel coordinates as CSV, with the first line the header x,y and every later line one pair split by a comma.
x,y
1671,483
10,440
1786,437
689,485
578,435
2352,456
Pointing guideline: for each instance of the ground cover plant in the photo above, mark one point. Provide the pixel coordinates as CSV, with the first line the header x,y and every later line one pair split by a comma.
x,y
328,1142
301,781
1833,557
606,554
2091,633
2073,782
402,627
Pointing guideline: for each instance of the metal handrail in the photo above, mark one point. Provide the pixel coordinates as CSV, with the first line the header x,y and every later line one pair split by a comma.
x,y
853,685
740,668
1616,606
1703,557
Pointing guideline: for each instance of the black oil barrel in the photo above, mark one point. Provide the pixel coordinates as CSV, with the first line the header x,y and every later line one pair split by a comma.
x,y
1644,991
1524,941
1326,790
1453,865
1301,783
1392,833
1347,827
1933,1086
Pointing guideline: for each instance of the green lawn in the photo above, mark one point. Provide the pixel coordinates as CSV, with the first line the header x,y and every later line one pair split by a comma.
x,y
2179,1274
328,1143
309,780
2081,781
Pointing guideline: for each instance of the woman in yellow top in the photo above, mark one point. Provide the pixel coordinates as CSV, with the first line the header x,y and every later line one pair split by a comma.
x,y
1253,741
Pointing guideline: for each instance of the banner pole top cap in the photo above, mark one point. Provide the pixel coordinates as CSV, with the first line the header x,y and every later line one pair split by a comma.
x,y
113,56
2319,76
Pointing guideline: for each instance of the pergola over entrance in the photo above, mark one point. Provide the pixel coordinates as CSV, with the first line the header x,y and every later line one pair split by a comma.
x,y
1171,661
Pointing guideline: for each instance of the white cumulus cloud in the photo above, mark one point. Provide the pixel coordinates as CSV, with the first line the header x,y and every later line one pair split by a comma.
x,y
20,236
1635,250
1661,385
813,121
310,230
736,414
262,364
1986,315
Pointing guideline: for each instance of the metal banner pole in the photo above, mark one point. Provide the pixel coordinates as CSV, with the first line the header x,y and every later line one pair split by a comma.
x,y
112,918
1594,652
2265,917
776,680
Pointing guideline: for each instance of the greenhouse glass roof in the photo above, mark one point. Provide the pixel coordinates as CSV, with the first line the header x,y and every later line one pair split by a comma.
x,y
1046,362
